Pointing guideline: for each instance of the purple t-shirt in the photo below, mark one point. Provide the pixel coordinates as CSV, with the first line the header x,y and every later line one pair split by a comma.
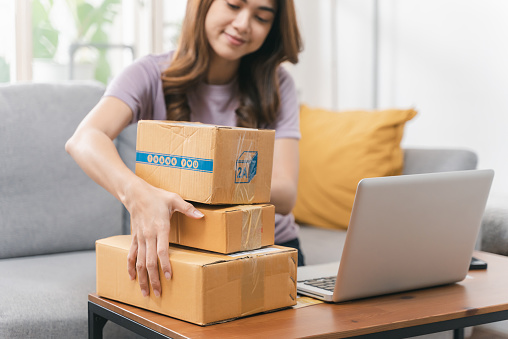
x,y
140,87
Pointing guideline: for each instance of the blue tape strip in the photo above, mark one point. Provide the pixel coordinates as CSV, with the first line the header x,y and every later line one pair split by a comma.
x,y
175,161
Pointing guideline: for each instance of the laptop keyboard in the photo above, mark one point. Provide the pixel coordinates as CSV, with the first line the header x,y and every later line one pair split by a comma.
x,y
327,283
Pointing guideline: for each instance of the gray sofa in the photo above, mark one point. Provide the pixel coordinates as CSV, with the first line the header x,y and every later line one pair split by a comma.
x,y
51,213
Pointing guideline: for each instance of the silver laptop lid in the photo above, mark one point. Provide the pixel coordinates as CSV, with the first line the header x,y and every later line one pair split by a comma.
x,y
412,231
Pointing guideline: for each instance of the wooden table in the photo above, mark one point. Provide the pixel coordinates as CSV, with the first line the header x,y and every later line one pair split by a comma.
x,y
481,298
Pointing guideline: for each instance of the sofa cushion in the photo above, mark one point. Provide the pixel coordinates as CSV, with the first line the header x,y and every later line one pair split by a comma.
x,y
337,150
47,203
46,297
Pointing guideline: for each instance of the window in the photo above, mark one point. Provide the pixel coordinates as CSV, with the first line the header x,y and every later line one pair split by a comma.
x,y
57,40
7,47
174,11
80,39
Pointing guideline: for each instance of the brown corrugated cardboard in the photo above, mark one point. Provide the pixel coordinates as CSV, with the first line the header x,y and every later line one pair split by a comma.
x,y
206,163
206,287
225,229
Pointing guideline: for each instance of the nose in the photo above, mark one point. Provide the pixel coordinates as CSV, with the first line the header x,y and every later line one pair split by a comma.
x,y
242,21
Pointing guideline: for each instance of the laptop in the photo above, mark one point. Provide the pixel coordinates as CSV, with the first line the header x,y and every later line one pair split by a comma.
x,y
405,232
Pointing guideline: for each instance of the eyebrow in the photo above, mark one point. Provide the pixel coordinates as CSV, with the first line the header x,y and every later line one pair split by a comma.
x,y
264,8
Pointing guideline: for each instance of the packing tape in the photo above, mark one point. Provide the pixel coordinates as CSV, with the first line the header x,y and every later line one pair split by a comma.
x,y
292,276
253,287
252,226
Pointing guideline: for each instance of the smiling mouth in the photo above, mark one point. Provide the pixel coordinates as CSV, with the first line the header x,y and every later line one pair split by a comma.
x,y
234,40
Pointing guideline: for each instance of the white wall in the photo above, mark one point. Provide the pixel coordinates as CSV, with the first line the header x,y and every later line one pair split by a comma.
x,y
335,69
449,59
315,60
446,58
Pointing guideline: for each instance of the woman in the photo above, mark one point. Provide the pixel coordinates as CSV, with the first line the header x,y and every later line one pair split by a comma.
x,y
224,71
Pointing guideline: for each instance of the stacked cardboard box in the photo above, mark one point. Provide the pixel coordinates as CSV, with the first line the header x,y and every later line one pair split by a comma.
x,y
212,165
206,163
225,229
209,165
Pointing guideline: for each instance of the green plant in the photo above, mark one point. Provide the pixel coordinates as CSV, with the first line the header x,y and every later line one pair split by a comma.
x,y
91,23
44,35
90,20
4,70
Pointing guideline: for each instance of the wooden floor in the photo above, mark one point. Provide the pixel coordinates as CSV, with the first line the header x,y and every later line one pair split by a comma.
x,y
480,333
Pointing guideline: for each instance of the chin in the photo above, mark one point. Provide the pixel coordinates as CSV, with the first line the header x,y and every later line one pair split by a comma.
x,y
230,55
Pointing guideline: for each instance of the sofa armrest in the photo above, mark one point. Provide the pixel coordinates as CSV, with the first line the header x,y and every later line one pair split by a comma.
x,y
494,233
422,160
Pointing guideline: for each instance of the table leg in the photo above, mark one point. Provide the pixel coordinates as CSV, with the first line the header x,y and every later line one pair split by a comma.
x,y
99,315
95,325
458,333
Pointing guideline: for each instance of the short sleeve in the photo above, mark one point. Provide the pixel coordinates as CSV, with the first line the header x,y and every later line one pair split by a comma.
x,y
287,124
140,87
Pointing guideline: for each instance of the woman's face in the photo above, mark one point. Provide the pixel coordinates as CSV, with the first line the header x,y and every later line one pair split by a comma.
x,y
235,28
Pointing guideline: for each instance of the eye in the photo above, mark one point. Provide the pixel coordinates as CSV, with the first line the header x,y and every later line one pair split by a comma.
x,y
232,6
263,20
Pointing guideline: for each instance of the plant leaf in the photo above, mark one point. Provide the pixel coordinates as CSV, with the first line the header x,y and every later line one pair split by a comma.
x,y
85,14
44,36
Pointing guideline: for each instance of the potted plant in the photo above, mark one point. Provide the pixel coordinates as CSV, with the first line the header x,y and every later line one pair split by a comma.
x,y
90,23
4,70
45,39
44,35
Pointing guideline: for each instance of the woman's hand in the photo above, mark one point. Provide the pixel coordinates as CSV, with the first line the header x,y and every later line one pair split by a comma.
x,y
151,209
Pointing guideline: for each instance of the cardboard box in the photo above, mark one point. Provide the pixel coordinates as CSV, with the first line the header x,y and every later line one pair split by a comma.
x,y
206,163
225,229
206,287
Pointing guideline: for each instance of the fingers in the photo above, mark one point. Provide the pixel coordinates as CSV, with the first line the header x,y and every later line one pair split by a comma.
x,y
186,208
152,266
141,269
150,244
142,261
132,257
163,254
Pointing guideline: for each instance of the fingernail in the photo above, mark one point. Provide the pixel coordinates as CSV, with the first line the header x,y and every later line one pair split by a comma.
x,y
132,277
167,275
157,293
145,293
198,214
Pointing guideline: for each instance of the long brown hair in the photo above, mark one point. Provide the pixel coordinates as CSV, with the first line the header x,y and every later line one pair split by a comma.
x,y
257,74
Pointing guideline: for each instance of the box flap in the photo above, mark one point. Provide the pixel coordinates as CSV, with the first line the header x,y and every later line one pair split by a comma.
x,y
195,256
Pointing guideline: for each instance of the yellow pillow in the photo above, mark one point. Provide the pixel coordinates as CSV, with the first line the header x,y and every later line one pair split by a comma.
x,y
337,150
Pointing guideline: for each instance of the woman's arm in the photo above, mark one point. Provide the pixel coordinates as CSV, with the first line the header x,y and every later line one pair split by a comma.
x,y
92,146
284,175
151,208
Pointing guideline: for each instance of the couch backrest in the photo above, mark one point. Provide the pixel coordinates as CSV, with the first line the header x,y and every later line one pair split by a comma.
x,y
126,145
428,160
47,203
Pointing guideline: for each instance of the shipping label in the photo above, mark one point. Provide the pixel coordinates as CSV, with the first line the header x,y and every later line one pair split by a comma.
x,y
246,166
175,161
